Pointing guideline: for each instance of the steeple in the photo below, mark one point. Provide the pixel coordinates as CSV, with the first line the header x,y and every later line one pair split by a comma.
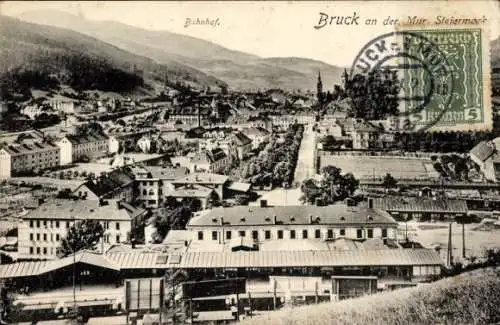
x,y
345,78
319,87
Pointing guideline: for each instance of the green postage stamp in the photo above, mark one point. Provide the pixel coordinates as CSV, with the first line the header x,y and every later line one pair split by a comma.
x,y
443,76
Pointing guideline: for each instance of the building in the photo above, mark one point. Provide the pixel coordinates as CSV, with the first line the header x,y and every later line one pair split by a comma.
x,y
421,209
329,127
32,111
292,222
27,157
29,136
65,106
283,122
144,143
115,185
76,147
211,181
486,155
263,122
191,115
364,135
40,231
211,161
257,135
154,183
125,137
243,145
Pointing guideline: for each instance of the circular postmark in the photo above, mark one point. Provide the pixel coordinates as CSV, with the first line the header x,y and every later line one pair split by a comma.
x,y
417,68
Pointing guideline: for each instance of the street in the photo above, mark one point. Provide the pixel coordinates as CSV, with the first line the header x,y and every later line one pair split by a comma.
x,y
304,170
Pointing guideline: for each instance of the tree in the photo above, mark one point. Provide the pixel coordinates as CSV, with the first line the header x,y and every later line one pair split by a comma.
x,y
310,191
335,186
84,234
374,96
389,181
329,142
65,194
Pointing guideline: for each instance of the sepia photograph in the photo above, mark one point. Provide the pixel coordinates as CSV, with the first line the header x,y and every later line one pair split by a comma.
x,y
250,162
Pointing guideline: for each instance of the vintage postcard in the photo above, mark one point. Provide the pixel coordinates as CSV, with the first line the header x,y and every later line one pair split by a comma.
x,y
253,162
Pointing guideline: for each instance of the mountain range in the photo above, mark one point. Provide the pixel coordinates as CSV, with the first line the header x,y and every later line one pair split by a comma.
x,y
238,69
37,56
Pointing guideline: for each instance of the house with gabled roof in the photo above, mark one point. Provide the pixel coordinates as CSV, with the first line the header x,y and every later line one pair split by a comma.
x,y
242,143
487,156
257,135
213,161
117,184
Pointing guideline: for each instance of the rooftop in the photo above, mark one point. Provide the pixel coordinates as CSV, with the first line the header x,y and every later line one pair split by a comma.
x,y
88,138
202,178
210,156
159,172
240,139
195,191
483,150
255,259
83,209
415,204
298,215
26,148
115,261
257,131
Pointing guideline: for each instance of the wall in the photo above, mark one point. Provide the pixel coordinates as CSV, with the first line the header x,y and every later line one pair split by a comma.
x,y
350,232
51,242
66,149
5,164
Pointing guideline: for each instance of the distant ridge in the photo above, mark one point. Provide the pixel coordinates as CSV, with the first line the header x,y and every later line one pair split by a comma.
x,y
240,70
44,57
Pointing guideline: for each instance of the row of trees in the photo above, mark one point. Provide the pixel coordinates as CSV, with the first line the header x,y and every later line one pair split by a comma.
x,y
276,164
424,141
439,141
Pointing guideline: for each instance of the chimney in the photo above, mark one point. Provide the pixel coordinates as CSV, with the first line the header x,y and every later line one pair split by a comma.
x,y
263,203
275,220
370,203
221,221
119,205
310,219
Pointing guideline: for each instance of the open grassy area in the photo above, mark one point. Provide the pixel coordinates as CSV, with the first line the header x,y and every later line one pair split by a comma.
x,y
368,167
470,298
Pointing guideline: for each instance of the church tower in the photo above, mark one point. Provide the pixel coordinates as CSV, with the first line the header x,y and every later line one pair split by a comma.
x,y
319,88
345,79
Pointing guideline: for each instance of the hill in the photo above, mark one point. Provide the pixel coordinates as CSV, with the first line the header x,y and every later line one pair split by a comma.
x,y
240,70
470,298
45,57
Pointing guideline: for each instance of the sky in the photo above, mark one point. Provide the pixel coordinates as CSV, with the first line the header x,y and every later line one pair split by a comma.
x,y
271,29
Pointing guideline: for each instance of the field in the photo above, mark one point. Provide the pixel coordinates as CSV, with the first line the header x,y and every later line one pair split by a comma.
x,y
369,167
470,298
